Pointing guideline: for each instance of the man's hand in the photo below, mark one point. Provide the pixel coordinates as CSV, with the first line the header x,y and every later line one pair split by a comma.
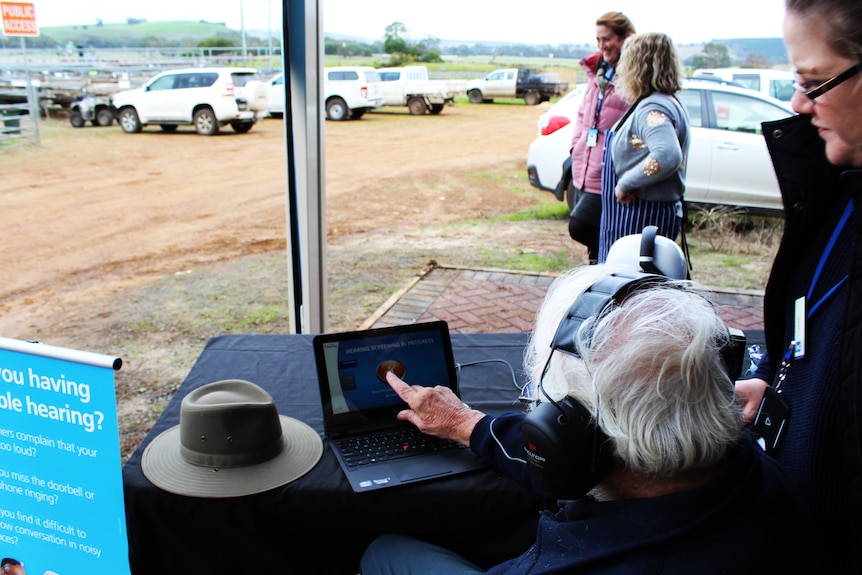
x,y
436,410
749,393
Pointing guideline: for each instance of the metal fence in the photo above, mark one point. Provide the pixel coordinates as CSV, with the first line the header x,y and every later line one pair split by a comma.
x,y
40,82
136,60
17,120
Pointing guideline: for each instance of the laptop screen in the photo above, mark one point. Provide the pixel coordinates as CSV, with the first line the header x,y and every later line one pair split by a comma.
x,y
352,367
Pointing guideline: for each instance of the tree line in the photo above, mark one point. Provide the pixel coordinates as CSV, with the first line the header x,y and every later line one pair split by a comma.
x,y
754,53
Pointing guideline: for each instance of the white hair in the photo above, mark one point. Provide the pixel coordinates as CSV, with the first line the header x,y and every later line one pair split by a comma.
x,y
651,372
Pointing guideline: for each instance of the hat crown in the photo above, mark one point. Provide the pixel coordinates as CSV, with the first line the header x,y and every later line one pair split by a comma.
x,y
229,423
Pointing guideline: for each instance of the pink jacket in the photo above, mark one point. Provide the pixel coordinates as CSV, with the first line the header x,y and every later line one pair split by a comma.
x,y
587,162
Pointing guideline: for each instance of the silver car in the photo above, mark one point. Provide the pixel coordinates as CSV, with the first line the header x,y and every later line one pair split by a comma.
x,y
728,164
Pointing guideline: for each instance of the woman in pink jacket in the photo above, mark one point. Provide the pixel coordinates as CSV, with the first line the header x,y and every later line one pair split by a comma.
x,y
600,110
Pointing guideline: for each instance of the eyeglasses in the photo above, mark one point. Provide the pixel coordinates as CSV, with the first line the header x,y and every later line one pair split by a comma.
x,y
812,91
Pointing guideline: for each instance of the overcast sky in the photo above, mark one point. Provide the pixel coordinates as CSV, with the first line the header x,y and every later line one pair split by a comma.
x,y
545,22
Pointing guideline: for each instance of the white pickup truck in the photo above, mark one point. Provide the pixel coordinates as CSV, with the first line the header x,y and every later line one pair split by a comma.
x,y
350,91
409,86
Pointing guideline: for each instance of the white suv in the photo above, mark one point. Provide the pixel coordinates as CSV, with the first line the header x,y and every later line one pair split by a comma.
x,y
775,83
350,91
728,164
206,98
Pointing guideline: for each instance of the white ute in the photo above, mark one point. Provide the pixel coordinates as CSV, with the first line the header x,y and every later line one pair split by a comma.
x,y
350,91
409,86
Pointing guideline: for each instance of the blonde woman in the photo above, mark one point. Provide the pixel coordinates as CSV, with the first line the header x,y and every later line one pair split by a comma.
x,y
643,177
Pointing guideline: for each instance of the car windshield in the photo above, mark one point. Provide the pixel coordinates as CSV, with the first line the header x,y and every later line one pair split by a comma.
x,y
738,113
372,76
240,79
162,83
781,89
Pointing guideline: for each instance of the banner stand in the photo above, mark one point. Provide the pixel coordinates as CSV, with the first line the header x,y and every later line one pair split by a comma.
x,y
61,486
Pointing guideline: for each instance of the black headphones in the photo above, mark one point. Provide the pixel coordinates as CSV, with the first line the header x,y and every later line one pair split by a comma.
x,y
566,452
647,255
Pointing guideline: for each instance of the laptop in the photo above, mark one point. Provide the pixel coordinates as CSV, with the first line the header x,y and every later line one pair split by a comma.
x,y
360,408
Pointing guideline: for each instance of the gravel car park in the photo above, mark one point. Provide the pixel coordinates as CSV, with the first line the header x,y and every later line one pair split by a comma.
x,y
728,164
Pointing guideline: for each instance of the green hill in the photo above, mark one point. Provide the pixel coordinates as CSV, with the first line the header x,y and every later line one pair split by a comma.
x,y
181,33
184,34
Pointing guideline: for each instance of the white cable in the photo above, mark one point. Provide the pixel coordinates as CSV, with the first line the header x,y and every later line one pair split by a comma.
x,y
500,445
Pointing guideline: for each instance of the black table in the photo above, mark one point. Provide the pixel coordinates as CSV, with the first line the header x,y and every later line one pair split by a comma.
x,y
317,524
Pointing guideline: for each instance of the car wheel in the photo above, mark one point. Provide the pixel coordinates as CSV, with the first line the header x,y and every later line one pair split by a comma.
x,y
532,98
241,127
475,97
129,122
205,122
76,118
104,117
168,127
437,108
416,106
336,110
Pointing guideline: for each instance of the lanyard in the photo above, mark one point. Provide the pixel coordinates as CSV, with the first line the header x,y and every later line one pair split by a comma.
x,y
608,73
825,256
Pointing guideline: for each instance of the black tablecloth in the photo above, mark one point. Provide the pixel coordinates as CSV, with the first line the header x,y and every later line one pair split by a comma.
x,y
317,524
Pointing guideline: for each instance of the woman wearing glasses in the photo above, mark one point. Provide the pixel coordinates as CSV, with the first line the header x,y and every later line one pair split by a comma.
x,y
813,300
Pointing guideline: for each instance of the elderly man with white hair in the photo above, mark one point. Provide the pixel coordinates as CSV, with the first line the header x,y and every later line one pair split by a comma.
x,y
637,433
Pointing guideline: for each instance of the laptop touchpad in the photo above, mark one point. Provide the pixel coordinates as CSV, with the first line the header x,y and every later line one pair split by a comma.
x,y
420,467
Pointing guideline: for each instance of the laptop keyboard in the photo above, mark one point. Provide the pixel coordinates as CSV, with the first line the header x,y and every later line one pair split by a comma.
x,y
389,446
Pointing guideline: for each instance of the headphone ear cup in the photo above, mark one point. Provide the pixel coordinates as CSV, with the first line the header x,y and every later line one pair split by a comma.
x,y
733,353
567,454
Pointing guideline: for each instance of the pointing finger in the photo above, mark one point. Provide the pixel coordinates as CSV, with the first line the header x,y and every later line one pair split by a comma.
x,y
403,390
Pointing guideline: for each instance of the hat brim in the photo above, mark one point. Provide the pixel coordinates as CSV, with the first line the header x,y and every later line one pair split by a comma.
x,y
163,465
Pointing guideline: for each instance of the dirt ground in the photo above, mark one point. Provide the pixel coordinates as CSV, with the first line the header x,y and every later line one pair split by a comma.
x,y
95,221
93,211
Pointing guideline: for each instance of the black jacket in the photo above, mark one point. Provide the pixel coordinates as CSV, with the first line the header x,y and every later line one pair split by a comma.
x,y
745,520
822,453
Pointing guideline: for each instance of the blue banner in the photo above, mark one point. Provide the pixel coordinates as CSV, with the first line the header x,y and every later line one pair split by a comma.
x,y
61,487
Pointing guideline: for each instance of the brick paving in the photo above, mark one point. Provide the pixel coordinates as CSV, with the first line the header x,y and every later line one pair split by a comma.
x,y
477,300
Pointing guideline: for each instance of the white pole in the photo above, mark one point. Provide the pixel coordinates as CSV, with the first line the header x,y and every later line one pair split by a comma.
x,y
269,36
32,95
242,31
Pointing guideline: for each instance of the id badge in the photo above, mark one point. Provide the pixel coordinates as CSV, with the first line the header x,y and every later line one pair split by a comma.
x,y
770,423
799,317
592,138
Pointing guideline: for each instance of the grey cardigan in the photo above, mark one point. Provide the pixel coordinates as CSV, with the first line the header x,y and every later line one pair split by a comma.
x,y
650,149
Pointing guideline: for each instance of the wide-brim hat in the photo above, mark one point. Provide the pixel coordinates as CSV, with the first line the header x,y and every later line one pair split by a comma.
x,y
231,441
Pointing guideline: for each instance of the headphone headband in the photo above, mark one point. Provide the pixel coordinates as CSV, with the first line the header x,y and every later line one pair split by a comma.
x,y
601,296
